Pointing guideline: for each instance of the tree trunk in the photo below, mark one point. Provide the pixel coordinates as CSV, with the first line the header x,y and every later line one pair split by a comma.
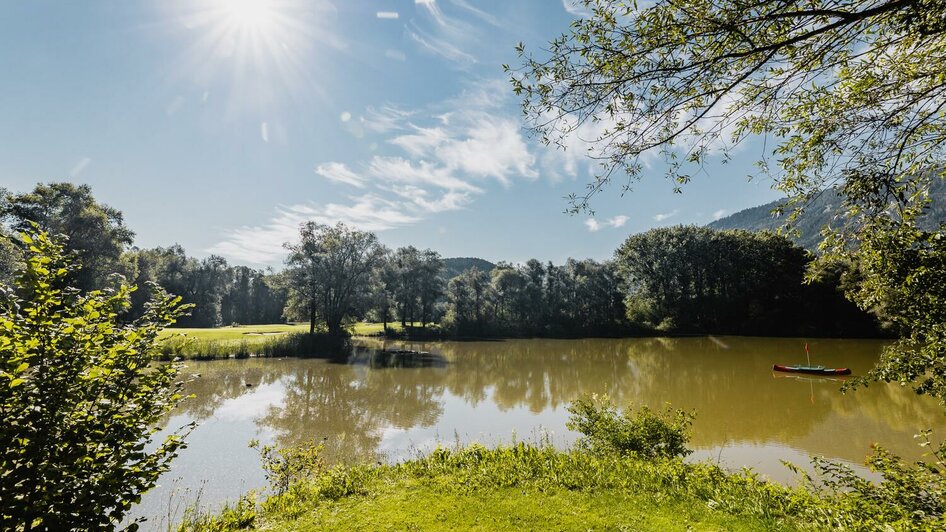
x,y
311,318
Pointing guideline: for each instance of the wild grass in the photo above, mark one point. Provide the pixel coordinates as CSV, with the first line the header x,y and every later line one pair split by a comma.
x,y
627,473
520,487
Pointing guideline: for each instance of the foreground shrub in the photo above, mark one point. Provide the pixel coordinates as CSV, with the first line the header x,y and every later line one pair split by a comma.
x,y
79,398
285,466
643,432
909,496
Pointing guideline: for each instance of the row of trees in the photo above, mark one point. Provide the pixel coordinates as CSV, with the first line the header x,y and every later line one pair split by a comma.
x,y
98,240
579,297
680,279
699,280
677,280
337,273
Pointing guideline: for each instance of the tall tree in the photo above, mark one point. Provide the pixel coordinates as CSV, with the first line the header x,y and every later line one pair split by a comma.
x,y
9,251
96,232
430,285
849,92
329,269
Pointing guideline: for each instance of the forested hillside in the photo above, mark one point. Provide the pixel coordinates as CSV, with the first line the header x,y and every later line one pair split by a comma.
x,y
456,265
820,212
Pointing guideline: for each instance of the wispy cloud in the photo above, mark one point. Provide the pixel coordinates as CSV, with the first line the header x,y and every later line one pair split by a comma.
x,y
264,244
79,167
666,215
719,214
483,15
448,154
387,118
440,46
388,14
264,131
435,32
340,173
575,8
594,225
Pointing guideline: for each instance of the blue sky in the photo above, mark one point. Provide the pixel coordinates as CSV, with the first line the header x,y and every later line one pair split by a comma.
x,y
223,124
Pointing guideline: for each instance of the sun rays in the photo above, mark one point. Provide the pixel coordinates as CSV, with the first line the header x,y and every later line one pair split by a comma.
x,y
261,52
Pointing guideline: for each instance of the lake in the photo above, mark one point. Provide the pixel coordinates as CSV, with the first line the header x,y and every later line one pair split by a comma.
x,y
500,391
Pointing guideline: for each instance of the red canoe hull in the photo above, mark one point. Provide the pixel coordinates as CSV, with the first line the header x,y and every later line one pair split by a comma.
x,y
812,371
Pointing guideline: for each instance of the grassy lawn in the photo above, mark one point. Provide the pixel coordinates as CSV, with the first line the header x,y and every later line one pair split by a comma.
x,y
251,333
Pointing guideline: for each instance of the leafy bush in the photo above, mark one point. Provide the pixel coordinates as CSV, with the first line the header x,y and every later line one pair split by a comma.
x,y
642,432
909,496
288,465
79,398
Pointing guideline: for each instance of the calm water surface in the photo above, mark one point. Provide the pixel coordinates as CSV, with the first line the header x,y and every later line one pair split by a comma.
x,y
495,392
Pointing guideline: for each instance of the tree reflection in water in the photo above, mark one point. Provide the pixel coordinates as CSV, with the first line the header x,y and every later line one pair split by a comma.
x,y
351,402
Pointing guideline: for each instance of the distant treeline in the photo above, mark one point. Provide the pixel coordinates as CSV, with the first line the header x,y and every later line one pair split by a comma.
x,y
101,243
677,280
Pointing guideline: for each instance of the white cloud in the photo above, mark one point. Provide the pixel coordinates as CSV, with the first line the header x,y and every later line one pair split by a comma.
x,y
491,147
345,116
400,170
422,141
79,167
448,37
477,11
575,8
440,46
618,221
264,244
340,173
387,118
448,152
388,14
594,225
264,131
450,200
665,215
719,214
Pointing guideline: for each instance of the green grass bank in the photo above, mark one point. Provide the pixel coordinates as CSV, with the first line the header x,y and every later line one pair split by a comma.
x,y
626,473
255,340
522,487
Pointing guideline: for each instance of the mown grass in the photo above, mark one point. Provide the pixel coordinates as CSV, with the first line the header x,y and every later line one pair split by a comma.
x,y
253,340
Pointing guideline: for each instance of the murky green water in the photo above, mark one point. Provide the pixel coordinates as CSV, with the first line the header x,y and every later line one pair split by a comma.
x,y
494,392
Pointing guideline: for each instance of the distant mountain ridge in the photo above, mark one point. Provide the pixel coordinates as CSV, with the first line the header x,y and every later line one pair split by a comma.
x,y
824,210
456,265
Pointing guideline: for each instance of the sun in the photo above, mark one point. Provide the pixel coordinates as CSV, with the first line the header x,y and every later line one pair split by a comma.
x,y
256,16
258,53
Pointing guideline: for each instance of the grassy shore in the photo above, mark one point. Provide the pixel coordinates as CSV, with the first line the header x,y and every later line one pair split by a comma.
x,y
522,487
626,473
254,340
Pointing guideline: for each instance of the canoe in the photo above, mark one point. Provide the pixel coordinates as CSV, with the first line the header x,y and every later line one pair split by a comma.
x,y
812,370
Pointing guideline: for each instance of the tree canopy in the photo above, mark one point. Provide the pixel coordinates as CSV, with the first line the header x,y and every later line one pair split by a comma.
x,y
845,93
329,272
95,233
